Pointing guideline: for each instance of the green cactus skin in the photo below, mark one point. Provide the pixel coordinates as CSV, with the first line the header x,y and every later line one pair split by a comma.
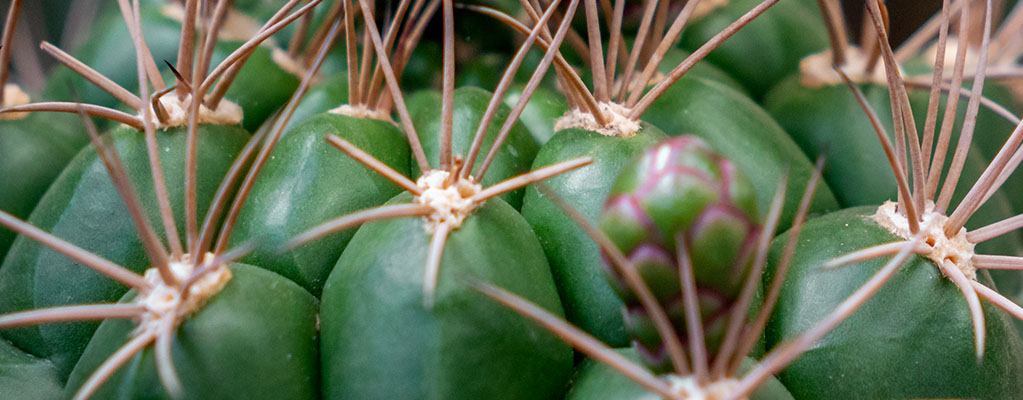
x,y
743,132
255,339
544,107
703,70
515,156
307,181
590,302
379,342
84,208
596,381
765,51
30,377
322,97
261,86
33,151
681,189
858,171
912,339
110,32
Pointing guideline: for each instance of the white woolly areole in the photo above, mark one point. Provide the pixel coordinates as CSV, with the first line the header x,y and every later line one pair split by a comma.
x,y
14,96
956,249
167,301
618,124
361,111
227,113
451,201
816,71
236,27
689,389
291,65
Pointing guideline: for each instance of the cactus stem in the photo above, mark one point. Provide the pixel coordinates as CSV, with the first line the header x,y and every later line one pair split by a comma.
x,y
112,364
987,182
868,253
989,104
756,328
781,356
649,6
527,91
694,323
372,163
665,44
433,258
737,318
97,263
93,76
154,249
966,135
616,44
998,300
359,218
578,339
389,39
952,270
295,45
886,144
527,178
902,113
393,88
86,312
147,63
618,260
676,73
278,129
233,64
502,87
941,148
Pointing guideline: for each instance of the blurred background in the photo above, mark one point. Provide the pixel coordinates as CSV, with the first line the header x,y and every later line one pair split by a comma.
x,y
67,23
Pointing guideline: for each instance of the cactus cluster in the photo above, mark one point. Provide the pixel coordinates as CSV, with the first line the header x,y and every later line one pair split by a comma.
x,y
583,199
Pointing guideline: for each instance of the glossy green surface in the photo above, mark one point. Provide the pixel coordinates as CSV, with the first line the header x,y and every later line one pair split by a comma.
x,y
307,182
912,339
540,113
83,207
829,120
596,381
514,157
256,339
379,342
109,50
575,259
765,51
33,151
261,86
26,376
744,133
322,97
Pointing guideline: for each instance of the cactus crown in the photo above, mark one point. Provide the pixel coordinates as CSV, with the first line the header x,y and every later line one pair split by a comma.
x,y
922,214
677,199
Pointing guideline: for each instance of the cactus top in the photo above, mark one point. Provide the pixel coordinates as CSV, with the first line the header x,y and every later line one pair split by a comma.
x,y
681,192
